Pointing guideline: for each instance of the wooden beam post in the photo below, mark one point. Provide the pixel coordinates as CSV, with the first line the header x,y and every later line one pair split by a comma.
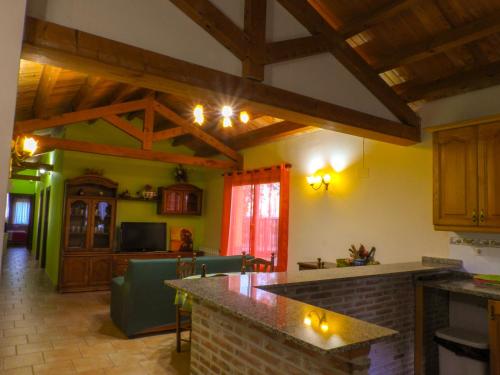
x,y
312,21
149,121
255,29
124,126
16,176
46,142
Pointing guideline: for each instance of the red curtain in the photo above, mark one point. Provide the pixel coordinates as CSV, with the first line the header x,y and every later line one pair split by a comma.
x,y
255,214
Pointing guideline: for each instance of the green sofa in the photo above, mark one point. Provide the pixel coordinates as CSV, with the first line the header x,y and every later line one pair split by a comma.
x,y
141,303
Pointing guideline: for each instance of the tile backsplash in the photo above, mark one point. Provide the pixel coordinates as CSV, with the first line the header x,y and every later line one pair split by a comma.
x,y
480,252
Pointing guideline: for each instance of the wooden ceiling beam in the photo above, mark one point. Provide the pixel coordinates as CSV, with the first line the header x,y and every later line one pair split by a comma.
x,y
458,83
255,29
295,48
266,134
29,126
217,24
168,134
36,165
48,81
316,25
124,126
86,96
57,45
196,131
24,177
364,21
132,153
441,42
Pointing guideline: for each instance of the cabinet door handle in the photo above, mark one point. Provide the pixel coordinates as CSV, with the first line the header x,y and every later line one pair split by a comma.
x,y
474,216
482,216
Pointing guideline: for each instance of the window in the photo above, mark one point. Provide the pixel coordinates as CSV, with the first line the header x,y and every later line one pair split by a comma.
x,y
256,214
21,212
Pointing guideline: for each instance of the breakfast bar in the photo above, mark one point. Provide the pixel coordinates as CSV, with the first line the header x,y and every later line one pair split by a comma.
x,y
328,321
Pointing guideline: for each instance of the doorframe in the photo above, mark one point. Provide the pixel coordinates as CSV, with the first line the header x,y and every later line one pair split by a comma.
x,y
39,235
43,255
8,222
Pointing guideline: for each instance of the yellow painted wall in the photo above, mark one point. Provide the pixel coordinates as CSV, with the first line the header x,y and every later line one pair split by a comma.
x,y
391,209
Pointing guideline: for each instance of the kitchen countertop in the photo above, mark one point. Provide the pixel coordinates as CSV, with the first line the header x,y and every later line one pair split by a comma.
x,y
245,297
464,285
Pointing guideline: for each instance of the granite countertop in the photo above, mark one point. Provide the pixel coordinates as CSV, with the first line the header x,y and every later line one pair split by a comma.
x,y
246,297
466,286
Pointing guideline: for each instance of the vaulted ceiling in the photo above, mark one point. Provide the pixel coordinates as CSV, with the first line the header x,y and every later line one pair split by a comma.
x,y
422,49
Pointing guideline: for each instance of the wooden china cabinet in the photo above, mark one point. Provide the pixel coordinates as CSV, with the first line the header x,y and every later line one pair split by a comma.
x,y
88,234
180,199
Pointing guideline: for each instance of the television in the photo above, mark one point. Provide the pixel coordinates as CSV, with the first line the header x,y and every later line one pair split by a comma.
x,y
135,236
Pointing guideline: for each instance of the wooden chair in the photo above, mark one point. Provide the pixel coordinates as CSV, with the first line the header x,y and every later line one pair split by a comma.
x,y
182,270
256,264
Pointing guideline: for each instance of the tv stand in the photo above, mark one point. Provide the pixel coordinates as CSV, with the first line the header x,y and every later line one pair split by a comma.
x,y
120,259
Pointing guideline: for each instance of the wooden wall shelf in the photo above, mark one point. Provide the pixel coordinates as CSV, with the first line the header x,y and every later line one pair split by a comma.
x,y
136,199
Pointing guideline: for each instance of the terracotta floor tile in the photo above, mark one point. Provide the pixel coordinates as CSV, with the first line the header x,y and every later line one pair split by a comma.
x,y
59,334
92,363
7,351
61,354
55,368
22,360
18,371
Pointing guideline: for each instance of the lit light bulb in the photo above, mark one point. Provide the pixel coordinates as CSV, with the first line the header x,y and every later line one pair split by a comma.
x,y
310,180
307,320
317,179
30,145
199,118
324,326
226,111
327,178
226,122
42,171
244,117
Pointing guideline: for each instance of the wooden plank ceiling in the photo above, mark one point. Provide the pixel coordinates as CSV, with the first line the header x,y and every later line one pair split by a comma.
x,y
423,49
46,91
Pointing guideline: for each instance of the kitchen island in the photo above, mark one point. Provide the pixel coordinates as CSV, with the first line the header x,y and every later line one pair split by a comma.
x,y
329,321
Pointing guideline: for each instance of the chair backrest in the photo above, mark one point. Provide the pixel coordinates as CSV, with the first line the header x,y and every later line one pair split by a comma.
x,y
185,269
256,264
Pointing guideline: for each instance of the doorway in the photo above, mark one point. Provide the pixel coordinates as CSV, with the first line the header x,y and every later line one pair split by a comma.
x,y
19,220
43,255
39,226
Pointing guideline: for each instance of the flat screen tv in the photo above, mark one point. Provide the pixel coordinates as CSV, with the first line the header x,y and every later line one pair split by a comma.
x,y
143,236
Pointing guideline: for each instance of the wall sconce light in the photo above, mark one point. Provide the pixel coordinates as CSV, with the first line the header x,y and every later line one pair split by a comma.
x,y
322,323
316,181
23,148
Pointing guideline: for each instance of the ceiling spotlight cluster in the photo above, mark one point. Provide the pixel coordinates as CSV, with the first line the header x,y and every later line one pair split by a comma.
x,y
226,114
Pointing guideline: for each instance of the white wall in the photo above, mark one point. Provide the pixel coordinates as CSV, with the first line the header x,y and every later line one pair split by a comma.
x,y
458,108
391,209
11,29
157,25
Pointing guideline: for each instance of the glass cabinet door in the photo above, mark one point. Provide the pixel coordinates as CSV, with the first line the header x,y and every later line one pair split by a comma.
x,y
78,217
192,203
102,231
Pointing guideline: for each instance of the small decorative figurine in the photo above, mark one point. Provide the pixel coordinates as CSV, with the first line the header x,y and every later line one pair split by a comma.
x,y
180,174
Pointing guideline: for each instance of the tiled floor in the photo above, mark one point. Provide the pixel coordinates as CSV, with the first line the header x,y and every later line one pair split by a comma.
x,y
43,332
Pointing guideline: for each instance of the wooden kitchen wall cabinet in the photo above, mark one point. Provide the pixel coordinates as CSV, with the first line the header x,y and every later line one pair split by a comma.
x,y
494,333
467,178
180,199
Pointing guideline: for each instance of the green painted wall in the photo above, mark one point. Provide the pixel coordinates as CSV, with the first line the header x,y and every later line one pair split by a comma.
x,y
22,186
131,175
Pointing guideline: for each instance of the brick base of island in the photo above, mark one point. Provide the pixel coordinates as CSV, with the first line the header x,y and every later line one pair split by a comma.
x,y
346,321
